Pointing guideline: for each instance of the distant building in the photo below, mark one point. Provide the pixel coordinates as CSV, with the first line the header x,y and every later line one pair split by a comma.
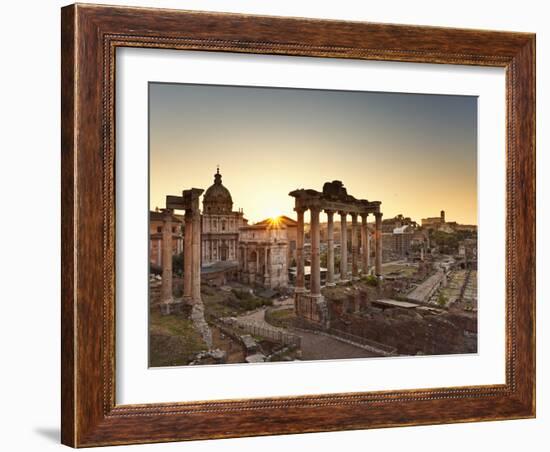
x,y
434,222
466,227
440,224
390,224
397,243
220,224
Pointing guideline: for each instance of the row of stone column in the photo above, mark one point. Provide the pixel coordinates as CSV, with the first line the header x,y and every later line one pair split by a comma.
x,y
191,256
315,275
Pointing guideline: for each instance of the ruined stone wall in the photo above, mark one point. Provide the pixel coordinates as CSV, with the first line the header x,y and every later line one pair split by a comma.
x,y
412,333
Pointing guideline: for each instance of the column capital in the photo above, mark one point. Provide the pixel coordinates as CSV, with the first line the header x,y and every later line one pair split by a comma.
x,y
364,216
342,213
330,212
353,215
315,209
300,209
378,214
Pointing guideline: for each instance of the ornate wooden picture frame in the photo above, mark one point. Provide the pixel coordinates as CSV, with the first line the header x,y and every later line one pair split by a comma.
x,y
90,37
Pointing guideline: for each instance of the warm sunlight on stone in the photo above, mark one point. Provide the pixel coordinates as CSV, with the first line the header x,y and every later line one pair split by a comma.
x,y
344,225
275,221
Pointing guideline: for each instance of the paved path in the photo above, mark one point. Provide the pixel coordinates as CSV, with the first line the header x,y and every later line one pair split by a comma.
x,y
425,288
256,317
314,346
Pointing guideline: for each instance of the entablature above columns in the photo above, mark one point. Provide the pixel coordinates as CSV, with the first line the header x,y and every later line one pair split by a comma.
x,y
187,201
306,199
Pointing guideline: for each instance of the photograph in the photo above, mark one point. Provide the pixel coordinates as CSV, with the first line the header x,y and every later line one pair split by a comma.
x,y
291,224
265,226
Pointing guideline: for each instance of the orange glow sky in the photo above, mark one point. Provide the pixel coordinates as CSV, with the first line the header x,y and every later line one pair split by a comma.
x,y
415,153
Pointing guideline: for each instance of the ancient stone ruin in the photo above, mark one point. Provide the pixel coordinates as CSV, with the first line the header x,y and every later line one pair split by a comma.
x,y
310,304
189,203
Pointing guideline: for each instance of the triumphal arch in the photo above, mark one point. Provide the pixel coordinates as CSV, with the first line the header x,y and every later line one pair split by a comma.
x,y
310,305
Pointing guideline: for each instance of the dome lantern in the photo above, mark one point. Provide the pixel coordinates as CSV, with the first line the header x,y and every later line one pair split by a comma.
x,y
217,198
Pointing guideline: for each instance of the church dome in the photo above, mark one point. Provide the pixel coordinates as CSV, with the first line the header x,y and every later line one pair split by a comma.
x,y
217,198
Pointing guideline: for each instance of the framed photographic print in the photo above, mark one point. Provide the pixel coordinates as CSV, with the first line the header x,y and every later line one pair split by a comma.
x,y
281,225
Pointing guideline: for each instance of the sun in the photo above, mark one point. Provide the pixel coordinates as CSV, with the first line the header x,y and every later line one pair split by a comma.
x,y
275,220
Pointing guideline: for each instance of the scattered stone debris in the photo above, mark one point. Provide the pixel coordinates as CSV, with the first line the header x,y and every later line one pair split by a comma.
x,y
215,356
250,343
255,358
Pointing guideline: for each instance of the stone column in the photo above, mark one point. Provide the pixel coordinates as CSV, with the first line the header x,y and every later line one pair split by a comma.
x,y
245,264
159,252
315,276
378,244
354,247
251,274
330,247
196,252
300,285
266,270
343,246
166,293
201,245
365,249
188,258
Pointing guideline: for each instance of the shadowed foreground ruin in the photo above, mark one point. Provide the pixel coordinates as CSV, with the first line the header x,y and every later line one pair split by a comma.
x,y
414,306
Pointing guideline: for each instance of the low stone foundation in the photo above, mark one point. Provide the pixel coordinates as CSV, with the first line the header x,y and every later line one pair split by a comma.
x,y
312,310
174,307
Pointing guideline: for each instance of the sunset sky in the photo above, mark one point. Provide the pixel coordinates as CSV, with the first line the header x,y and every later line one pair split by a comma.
x,y
415,153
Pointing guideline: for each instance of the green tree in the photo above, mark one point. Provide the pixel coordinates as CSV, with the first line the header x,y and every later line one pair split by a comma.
x,y
323,259
371,280
447,242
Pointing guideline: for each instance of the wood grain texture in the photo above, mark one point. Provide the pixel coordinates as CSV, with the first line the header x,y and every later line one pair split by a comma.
x,y
90,36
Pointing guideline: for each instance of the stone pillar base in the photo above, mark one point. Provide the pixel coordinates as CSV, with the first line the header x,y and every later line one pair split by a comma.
x,y
165,308
312,310
330,284
172,307
197,316
188,300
